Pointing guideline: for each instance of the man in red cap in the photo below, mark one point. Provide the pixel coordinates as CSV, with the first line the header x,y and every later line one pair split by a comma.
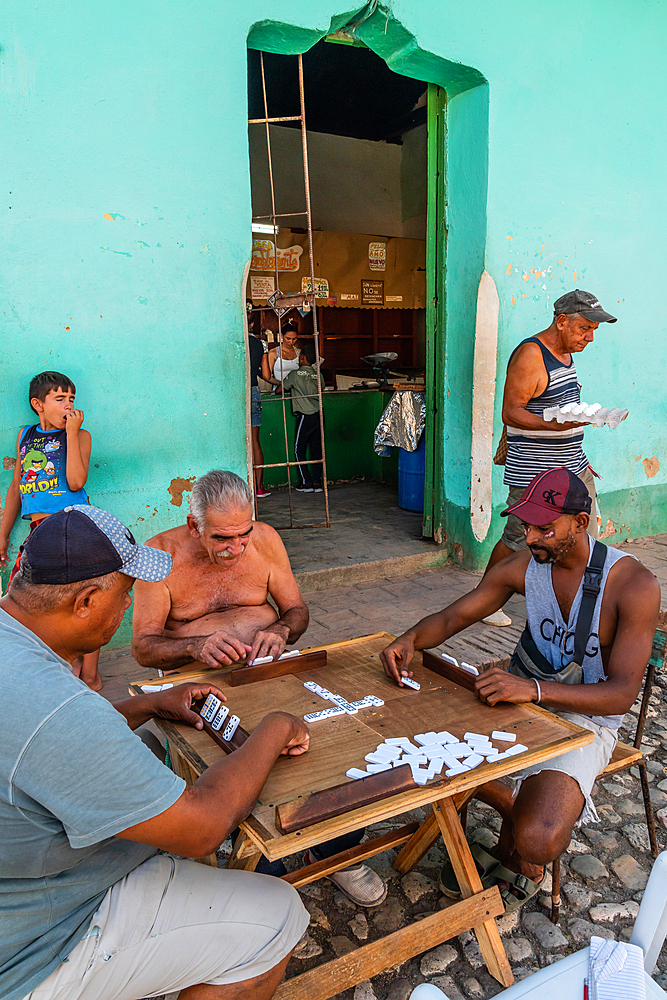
x,y
590,675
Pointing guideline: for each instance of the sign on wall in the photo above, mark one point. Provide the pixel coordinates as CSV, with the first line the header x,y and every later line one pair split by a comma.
x,y
377,256
261,288
372,292
264,256
321,287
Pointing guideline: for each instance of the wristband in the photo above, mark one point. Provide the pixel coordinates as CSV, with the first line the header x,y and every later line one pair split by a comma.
x,y
539,690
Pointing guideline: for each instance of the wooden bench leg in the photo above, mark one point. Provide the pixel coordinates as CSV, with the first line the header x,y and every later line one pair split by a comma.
x,y
468,878
648,808
245,856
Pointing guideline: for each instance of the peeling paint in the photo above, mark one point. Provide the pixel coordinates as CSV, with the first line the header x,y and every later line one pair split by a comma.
x,y
651,466
610,529
8,462
177,487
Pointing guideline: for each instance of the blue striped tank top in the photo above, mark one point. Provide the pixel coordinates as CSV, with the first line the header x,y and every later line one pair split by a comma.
x,y
531,452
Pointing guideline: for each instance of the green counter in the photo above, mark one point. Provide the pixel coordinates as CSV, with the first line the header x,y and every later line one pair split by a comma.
x,y
350,419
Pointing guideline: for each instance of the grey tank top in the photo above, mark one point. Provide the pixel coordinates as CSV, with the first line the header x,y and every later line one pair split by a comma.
x,y
554,637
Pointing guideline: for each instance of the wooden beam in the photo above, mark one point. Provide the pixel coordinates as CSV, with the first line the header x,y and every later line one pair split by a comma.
x,y
341,974
311,809
448,670
241,859
277,668
468,878
353,856
419,843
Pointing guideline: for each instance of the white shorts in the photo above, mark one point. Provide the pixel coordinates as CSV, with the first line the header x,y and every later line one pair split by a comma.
x,y
584,764
170,924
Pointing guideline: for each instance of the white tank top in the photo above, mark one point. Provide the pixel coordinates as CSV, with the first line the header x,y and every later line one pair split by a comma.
x,y
283,366
554,637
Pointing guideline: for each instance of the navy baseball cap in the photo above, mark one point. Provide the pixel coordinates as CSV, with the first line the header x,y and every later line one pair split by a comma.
x,y
551,493
584,303
84,542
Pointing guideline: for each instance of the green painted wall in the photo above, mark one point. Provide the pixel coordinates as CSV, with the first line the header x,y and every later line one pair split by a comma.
x,y
138,112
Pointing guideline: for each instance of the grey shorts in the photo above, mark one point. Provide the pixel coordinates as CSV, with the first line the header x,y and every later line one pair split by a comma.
x,y
584,764
513,535
172,923
255,406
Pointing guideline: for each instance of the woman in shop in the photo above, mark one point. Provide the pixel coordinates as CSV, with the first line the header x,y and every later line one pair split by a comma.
x,y
283,359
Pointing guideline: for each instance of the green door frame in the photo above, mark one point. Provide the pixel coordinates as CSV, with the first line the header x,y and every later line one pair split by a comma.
x,y
435,311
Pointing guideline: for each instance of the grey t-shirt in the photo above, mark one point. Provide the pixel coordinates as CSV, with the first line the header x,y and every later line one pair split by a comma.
x,y
72,775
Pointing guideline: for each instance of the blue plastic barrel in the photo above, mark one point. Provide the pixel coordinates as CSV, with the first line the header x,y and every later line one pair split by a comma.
x,y
411,467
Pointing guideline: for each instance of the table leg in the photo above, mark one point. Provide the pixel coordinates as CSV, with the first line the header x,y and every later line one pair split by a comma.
x,y
243,858
419,843
468,878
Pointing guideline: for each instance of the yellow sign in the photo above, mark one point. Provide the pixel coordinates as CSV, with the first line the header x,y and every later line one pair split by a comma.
x,y
377,256
264,256
321,287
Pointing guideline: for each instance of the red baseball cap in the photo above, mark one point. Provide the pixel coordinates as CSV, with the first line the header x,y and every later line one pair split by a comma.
x,y
551,493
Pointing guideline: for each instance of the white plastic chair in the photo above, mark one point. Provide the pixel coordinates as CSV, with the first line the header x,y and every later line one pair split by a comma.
x,y
565,978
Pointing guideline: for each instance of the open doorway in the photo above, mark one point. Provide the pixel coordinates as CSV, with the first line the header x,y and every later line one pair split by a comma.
x,y
368,152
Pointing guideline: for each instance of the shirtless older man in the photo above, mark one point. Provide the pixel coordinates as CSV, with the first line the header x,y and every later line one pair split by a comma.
x,y
213,607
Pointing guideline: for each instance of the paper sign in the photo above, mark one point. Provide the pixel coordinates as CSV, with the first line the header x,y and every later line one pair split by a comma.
x,y
321,287
348,297
372,293
377,256
277,309
261,288
393,298
264,257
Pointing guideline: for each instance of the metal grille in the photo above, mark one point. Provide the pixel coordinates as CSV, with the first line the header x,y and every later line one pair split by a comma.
x,y
291,299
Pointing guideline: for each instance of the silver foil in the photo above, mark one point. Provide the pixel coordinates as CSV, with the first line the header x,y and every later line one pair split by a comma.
x,y
402,423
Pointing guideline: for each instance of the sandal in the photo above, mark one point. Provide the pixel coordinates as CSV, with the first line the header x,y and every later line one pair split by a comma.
x,y
525,886
486,866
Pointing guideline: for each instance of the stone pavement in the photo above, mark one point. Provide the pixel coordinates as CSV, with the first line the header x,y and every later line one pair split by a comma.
x,y
603,873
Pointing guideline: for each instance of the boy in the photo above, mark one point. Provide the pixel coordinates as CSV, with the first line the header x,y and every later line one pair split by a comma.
x,y
303,384
51,470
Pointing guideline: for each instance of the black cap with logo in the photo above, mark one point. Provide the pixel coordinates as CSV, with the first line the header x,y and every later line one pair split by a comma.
x,y
584,303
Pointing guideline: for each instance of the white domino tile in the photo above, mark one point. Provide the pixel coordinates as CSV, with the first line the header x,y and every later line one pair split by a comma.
x,y
446,737
231,728
289,654
398,741
355,772
210,708
150,688
376,768
392,753
517,748
449,659
259,659
475,736
338,699
420,775
325,713
474,760
220,718
409,682
374,700
416,760
497,734
461,769
411,748
426,738
470,668
376,757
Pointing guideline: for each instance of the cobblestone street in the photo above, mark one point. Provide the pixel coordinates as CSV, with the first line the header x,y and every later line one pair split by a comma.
x,y
603,873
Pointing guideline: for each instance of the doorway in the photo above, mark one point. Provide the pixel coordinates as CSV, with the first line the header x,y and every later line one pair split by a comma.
x,y
375,143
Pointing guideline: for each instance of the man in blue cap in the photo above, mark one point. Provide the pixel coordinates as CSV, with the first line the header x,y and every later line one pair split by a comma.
x,y
88,909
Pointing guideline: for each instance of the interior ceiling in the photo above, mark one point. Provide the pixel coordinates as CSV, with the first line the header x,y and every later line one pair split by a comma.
x,y
348,90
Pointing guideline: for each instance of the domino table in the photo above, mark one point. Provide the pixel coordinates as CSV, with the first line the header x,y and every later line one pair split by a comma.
x,y
309,799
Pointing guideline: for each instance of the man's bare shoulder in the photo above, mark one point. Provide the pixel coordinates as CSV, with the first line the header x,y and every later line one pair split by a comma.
x,y
172,540
511,571
266,539
633,583
527,355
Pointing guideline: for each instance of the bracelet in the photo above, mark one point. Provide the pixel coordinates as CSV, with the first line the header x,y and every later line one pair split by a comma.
x,y
539,690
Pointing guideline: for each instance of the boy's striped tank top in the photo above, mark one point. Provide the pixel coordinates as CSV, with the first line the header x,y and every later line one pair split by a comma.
x,y
532,452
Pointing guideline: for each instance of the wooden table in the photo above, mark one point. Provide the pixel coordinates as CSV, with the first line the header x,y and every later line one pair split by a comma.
x,y
445,701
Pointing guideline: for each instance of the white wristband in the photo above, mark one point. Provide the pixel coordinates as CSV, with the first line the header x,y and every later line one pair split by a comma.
x,y
539,690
